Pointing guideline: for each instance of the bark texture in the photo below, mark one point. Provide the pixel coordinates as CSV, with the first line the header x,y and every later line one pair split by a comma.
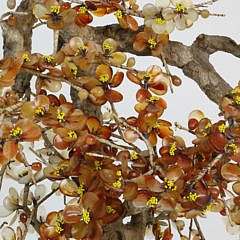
x,y
19,38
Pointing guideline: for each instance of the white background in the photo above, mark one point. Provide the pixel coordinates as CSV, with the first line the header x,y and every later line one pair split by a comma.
x,y
186,98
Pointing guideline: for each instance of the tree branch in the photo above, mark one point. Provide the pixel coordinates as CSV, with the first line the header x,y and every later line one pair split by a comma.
x,y
19,38
193,60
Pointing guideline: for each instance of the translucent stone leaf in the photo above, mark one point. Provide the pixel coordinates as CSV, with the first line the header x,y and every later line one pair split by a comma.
x,y
236,187
69,187
8,234
117,58
230,172
9,204
11,4
39,191
112,43
4,212
93,124
53,85
13,219
40,11
13,194
76,43
149,10
72,214
141,200
153,185
130,136
130,191
113,96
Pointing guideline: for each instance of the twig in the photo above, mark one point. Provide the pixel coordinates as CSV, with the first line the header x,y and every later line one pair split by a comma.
x,y
55,40
227,211
47,196
15,106
2,225
179,232
38,25
102,140
169,226
39,74
179,126
190,229
2,171
48,144
13,13
38,155
31,219
205,3
148,145
168,71
207,169
25,194
136,148
101,156
198,228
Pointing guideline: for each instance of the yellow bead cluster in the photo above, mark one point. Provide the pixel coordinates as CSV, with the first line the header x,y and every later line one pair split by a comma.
x,y
160,21
107,46
55,9
58,226
208,125
117,184
222,128
16,132
170,184
237,100
152,43
82,10
156,125
110,210
83,47
74,70
119,173
153,99
60,116
234,147
180,8
173,149
60,168
80,190
147,76
72,134
152,202
98,165
235,90
48,58
192,196
40,111
119,14
86,216
104,78
133,156
207,208
26,57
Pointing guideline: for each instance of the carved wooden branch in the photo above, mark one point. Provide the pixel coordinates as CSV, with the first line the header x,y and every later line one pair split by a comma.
x,y
193,60
19,38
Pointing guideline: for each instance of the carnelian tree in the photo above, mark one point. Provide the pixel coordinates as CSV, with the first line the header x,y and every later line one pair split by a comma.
x,y
94,160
